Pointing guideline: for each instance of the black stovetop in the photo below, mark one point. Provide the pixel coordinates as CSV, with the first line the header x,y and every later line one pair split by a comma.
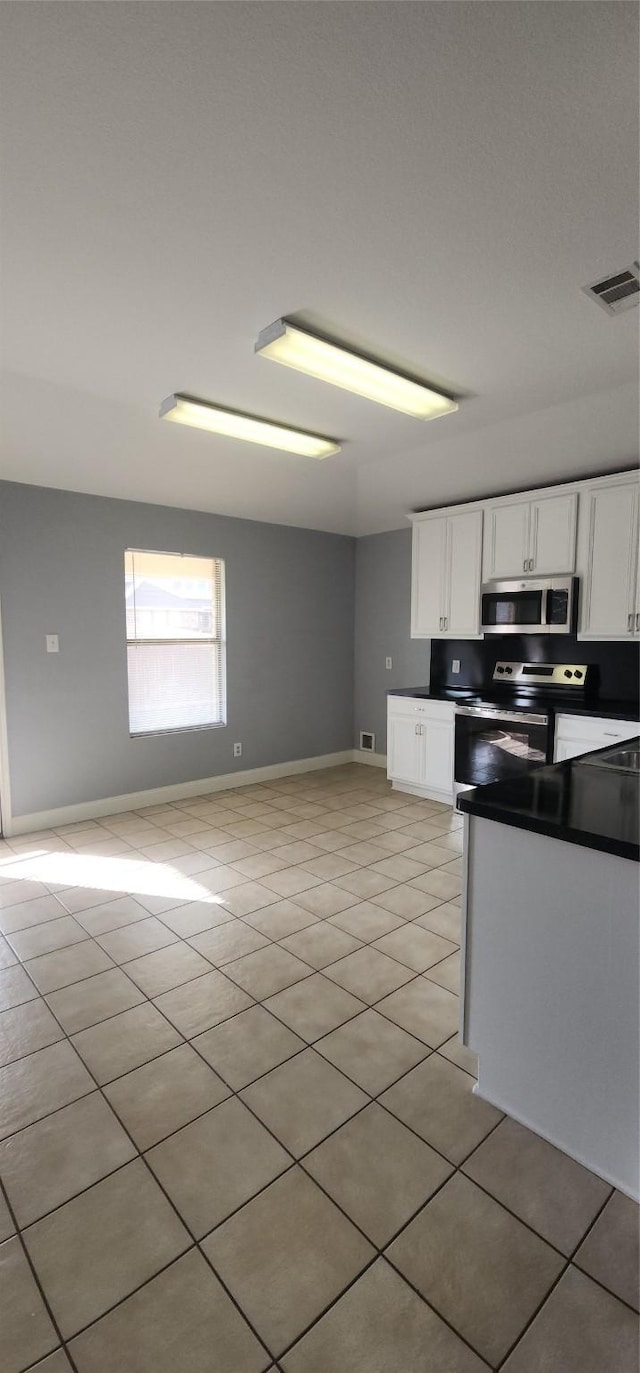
x,y
561,701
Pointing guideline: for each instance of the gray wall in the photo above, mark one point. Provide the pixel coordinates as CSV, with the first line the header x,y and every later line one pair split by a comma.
x,y
290,625
383,620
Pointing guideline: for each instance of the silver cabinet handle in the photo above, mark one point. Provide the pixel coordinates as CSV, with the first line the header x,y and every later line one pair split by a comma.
x,y
417,729
638,622
440,623
446,622
524,565
531,564
630,623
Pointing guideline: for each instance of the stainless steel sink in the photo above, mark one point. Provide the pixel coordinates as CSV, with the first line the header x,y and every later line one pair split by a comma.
x,y
620,758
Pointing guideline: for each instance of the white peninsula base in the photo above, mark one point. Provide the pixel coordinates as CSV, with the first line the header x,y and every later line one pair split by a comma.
x,y
550,998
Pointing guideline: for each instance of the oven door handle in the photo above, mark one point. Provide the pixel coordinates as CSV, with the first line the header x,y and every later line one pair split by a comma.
x,y
511,716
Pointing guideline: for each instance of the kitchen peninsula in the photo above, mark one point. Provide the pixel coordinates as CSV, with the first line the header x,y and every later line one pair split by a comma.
x,y
550,995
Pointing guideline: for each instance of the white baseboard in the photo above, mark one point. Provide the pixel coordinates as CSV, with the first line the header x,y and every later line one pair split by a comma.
x,y
373,760
558,1143
445,798
180,791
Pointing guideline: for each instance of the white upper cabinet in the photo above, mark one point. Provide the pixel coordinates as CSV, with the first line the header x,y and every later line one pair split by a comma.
x,y
428,576
552,546
507,540
608,561
446,569
462,580
636,619
590,527
531,537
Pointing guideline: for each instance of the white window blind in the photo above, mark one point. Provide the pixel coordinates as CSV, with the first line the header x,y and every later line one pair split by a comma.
x,y
175,641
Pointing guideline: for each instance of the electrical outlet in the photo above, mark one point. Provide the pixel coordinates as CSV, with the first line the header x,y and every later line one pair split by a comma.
x,y
237,750
388,662
52,643
455,665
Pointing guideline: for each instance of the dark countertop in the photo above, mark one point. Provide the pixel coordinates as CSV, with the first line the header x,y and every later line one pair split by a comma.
x,y
597,706
572,801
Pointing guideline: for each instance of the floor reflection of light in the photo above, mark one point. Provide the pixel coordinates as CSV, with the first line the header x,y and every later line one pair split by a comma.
x,y
138,876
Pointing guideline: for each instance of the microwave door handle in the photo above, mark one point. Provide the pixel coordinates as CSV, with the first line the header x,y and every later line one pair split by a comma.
x,y
544,607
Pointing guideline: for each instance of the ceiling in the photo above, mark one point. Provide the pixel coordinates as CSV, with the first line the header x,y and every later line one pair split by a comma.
x,y
431,182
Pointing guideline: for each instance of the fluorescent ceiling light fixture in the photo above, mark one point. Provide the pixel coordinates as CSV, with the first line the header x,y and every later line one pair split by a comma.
x,y
285,342
202,415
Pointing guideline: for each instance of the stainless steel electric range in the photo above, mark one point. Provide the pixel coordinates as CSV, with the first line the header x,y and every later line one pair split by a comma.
x,y
508,730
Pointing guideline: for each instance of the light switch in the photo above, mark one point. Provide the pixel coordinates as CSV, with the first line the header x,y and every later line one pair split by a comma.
x,y
52,643
388,662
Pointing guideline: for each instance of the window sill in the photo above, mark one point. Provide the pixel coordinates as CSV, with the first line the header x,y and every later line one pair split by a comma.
x,y
177,729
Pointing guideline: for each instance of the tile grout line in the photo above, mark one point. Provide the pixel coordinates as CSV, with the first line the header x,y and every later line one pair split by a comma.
x,y
216,967
140,856
300,1161
36,1279
295,1162
298,1052
307,1045
568,1263
180,1218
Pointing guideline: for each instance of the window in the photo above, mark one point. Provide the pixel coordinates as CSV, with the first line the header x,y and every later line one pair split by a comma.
x,y
175,641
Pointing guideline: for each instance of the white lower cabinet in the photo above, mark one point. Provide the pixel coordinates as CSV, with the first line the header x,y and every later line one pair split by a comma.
x,y
405,753
420,746
576,734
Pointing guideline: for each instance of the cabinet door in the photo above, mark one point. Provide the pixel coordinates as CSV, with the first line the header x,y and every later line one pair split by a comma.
x,y
608,609
464,563
438,755
636,543
571,748
553,534
428,573
405,749
508,540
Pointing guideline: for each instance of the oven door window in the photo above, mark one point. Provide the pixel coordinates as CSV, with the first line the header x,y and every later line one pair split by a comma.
x,y
494,750
501,609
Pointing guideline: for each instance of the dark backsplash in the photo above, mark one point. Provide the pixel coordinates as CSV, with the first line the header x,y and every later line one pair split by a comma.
x,y
618,663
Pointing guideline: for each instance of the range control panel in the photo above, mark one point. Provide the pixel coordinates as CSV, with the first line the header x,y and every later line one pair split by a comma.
x,y
541,674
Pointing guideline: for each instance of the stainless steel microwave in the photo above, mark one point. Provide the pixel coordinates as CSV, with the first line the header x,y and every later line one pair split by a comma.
x,y
546,605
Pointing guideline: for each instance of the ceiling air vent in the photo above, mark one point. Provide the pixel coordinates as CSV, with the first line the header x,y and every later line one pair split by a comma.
x,y
618,292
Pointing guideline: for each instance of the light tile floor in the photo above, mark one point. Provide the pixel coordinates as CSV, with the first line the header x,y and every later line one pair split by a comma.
x,y
237,1128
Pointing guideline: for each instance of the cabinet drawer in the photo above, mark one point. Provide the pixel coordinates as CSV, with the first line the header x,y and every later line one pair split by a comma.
x,y
420,708
595,727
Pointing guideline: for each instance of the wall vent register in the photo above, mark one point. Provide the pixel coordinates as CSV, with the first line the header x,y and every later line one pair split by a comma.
x,y
618,292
